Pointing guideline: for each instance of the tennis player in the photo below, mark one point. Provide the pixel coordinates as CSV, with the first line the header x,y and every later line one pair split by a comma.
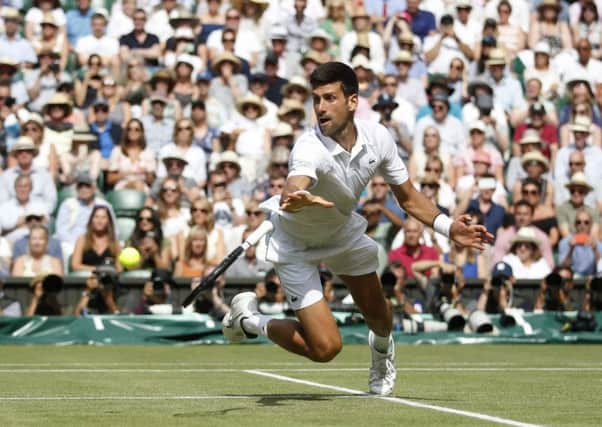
x,y
314,220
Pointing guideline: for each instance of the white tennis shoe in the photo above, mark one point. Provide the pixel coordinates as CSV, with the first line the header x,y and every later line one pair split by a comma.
x,y
242,306
382,372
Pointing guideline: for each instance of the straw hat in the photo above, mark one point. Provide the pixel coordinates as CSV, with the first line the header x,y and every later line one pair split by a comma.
x,y
549,3
289,106
178,16
581,124
174,154
314,56
525,234
360,12
9,62
10,13
361,61
579,180
228,157
429,178
262,4
535,156
81,132
34,118
319,33
282,130
158,98
225,56
296,81
403,56
496,57
253,100
531,136
60,99
48,19
24,143
163,76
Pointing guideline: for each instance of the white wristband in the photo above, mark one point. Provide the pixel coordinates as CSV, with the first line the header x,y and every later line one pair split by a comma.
x,y
442,224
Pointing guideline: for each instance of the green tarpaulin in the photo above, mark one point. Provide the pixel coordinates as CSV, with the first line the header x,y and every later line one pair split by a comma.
x,y
199,329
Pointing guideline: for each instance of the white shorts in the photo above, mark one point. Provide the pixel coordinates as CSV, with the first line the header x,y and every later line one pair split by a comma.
x,y
301,279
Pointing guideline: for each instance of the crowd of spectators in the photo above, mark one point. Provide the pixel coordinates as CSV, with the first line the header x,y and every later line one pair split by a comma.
x,y
189,111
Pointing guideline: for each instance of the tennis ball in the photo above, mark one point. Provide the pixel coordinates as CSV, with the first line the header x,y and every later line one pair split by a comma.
x,y
129,258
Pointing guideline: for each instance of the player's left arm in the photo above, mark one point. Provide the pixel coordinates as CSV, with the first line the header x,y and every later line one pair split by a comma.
x,y
460,230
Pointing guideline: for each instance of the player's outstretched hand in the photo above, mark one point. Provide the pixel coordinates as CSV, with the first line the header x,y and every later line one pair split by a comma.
x,y
302,198
466,234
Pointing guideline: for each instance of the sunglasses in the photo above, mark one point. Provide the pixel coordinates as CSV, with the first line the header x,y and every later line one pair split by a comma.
x,y
430,185
145,218
203,210
134,129
219,184
457,67
169,189
103,109
230,165
578,190
280,165
390,84
233,17
438,107
580,222
576,163
524,245
378,184
254,213
31,129
228,40
434,170
530,192
184,128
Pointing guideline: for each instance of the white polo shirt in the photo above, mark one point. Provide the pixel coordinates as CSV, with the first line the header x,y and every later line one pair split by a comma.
x,y
337,176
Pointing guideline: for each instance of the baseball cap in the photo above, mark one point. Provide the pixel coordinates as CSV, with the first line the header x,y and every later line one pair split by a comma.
x,y
501,269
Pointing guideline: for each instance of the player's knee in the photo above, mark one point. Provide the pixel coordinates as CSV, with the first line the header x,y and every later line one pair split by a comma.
x,y
326,351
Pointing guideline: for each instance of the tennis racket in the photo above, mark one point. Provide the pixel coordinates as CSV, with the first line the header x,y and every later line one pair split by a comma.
x,y
208,281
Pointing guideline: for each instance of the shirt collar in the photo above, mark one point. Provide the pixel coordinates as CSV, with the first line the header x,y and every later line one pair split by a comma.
x,y
335,148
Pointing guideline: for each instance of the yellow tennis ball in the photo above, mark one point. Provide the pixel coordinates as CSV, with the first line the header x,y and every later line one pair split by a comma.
x,y
129,258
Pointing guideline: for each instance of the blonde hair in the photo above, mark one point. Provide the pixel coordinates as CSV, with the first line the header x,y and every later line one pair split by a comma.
x,y
195,233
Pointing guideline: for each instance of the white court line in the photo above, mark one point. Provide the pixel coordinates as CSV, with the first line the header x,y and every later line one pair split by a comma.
x,y
398,400
232,370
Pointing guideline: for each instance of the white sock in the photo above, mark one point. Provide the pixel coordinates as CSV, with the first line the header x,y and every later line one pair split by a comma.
x,y
256,324
381,344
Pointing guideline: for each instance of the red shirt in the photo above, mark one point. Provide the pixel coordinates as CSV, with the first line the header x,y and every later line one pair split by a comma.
x,y
548,135
424,253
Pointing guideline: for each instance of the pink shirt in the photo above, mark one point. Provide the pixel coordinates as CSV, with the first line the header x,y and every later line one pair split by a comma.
x,y
464,158
502,245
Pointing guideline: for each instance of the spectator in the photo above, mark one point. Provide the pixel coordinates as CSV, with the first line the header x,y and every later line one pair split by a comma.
x,y
577,164
431,141
492,212
549,27
270,294
9,307
412,250
174,166
99,244
554,292
544,216
43,188
523,215
246,46
423,22
79,21
186,66
566,213
37,261
467,186
227,85
399,132
287,60
449,127
118,111
131,164
17,210
337,23
44,81
538,121
194,260
158,128
201,215
541,69
385,204
156,294
162,85
74,213
585,65
441,48
580,127
99,294
360,20
98,42
12,45
580,251
525,257
229,163
57,130
107,131
33,217
46,159
404,113
205,136
248,265
139,42
121,19
298,26
174,217
515,172
147,238
84,156
498,293
511,36
536,166
409,88
283,136
135,89
589,27
183,146
44,300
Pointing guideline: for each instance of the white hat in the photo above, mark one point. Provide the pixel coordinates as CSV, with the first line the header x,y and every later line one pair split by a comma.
x,y
542,47
487,183
477,125
361,61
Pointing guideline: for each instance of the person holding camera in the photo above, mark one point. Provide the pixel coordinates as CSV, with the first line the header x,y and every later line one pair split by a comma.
x,y
147,238
554,291
497,294
100,293
43,81
580,250
270,294
442,47
211,301
399,131
156,292
45,288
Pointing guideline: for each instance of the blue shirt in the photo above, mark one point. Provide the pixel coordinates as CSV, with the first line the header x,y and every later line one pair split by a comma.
x,y
78,24
376,7
21,247
583,261
105,139
423,23
391,204
493,219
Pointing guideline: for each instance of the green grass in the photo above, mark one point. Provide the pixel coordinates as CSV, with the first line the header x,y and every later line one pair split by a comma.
x,y
496,380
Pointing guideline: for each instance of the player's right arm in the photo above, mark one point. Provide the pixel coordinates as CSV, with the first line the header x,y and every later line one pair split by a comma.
x,y
295,195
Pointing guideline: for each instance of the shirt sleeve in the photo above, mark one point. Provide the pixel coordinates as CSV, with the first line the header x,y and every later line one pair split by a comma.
x,y
304,160
391,166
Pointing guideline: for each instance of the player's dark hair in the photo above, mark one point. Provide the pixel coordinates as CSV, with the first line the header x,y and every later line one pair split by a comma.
x,y
332,72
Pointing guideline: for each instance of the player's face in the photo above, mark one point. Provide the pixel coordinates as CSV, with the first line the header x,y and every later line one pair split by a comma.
x,y
333,109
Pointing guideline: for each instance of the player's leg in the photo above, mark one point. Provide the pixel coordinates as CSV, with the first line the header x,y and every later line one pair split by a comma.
x,y
356,267
314,334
